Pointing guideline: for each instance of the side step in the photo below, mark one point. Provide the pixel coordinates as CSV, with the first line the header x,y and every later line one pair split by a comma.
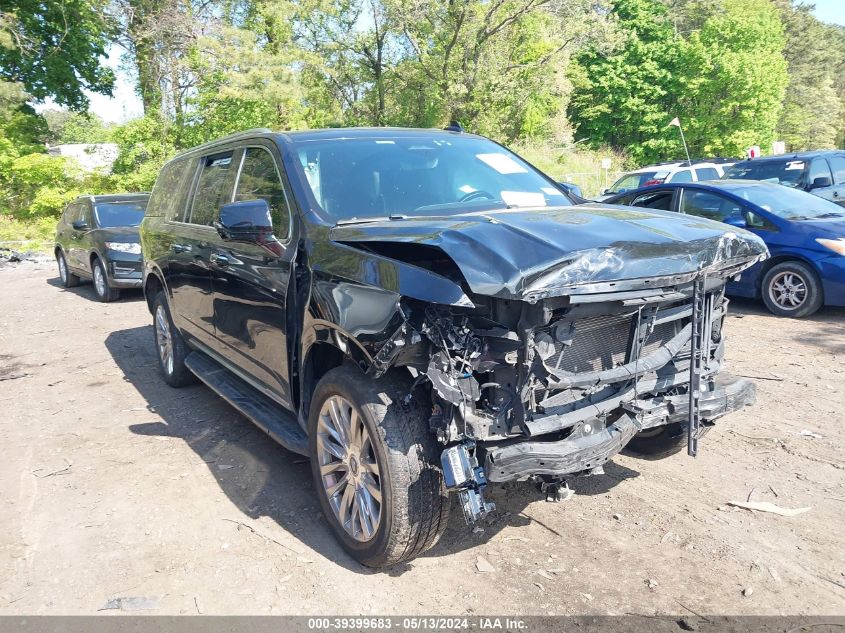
x,y
271,418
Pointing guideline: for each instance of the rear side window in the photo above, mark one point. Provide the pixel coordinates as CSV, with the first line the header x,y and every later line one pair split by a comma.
x,y
685,175
214,188
707,173
171,189
709,205
838,164
654,200
260,179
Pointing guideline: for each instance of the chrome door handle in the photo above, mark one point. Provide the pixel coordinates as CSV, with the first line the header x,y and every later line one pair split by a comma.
x,y
180,248
220,260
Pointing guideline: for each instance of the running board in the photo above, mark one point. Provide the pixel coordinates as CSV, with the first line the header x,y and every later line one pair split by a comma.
x,y
270,417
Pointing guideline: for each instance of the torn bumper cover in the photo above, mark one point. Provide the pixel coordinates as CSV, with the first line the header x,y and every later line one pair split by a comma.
x,y
592,448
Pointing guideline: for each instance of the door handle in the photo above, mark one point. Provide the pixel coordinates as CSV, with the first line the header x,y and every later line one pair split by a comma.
x,y
220,260
180,248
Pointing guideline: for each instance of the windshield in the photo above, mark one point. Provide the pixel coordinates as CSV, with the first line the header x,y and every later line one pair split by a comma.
x,y
116,214
789,204
417,176
786,172
629,182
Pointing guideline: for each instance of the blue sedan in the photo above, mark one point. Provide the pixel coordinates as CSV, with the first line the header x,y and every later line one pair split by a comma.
x,y
805,235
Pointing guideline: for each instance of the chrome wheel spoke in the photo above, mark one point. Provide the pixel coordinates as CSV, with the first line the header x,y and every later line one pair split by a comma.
x,y
348,468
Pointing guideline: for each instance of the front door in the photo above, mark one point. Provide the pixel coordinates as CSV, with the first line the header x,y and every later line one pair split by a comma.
x,y
251,281
819,168
194,241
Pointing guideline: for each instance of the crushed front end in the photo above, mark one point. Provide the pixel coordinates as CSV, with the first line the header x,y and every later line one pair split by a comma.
x,y
554,388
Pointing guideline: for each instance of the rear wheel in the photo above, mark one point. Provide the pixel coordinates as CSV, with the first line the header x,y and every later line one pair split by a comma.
x,y
170,345
792,289
69,280
105,293
375,467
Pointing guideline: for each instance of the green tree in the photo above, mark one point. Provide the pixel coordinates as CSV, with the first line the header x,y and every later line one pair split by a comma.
x,y
725,79
53,49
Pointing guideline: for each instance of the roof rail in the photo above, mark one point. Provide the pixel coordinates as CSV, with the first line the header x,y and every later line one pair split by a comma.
x,y
231,137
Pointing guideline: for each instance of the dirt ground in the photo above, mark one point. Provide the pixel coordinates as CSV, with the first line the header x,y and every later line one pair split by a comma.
x,y
114,485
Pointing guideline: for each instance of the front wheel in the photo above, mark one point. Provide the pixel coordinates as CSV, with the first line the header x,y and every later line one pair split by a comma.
x,y
792,289
105,293
375,467
659,441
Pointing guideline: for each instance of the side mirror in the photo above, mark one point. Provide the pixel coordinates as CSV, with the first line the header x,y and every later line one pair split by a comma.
x,y
245,221
821,181
79,225
607,192
736,220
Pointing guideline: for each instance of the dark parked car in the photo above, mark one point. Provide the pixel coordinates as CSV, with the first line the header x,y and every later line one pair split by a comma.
x,y
820,173
805,236
422,312
97,239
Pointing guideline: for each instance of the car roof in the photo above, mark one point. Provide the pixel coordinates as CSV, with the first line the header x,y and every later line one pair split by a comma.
x,y
681,165
116,197
729,185
338,133
793,156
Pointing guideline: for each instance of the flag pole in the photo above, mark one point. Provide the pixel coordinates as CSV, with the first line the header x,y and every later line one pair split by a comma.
x,y
683,140
677,121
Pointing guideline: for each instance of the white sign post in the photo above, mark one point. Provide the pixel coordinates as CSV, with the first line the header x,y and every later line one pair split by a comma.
x,y
605,164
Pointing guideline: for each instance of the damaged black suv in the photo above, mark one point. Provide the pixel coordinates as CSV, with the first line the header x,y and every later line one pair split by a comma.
x,y
422,312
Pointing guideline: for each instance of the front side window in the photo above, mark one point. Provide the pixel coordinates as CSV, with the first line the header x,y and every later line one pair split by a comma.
x,y
214,188
706,204
819,169
685,175
115,214
417,176
260,179
838,164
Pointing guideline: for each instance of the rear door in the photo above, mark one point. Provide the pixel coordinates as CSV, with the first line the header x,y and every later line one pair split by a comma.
x,y
79,237
193,240
250,281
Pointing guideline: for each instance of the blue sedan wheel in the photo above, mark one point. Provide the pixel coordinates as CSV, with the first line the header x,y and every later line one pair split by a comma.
x,y
791,289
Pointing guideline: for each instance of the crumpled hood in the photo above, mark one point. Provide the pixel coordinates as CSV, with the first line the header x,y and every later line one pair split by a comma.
x,y
536,253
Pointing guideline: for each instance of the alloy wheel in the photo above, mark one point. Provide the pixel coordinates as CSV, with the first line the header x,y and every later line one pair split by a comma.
x,y
164,339
99,280
349,469
788,290
62,269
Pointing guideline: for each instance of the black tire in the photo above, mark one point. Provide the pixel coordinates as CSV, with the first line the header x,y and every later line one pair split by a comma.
x,y
414,504
176,374
68,279
802,277
660,441
104,291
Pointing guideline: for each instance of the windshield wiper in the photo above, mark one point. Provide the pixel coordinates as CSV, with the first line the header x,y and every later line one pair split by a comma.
x,y
831,215
395,216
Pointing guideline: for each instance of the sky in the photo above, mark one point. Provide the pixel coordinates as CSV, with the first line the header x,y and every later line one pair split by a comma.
x,y
125,104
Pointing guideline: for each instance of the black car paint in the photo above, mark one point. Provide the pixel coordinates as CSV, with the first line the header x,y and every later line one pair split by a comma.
x,y
328,293
81,245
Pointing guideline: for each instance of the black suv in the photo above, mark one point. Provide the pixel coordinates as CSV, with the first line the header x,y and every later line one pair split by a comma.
x,y
820,173
97,239
422,312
